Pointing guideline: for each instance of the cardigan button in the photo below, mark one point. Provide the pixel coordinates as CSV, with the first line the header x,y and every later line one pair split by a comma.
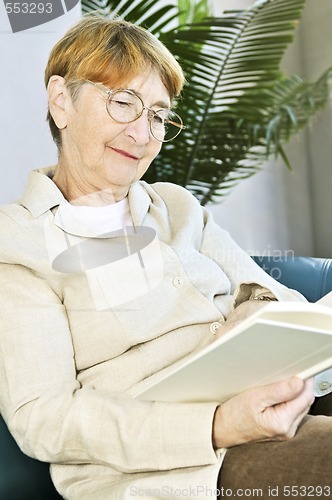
x,y
214,327
177,282
324,386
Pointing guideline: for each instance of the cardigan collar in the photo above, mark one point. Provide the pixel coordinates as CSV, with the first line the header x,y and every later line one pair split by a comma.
x,y
42,195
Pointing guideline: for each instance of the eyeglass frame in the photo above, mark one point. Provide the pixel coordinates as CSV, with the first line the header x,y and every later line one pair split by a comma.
x,y
151,112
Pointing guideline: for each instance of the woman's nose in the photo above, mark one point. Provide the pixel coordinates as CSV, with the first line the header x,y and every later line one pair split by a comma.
x,y
140,128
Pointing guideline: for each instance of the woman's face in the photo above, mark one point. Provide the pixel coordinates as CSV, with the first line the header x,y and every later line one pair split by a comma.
x,y
98,153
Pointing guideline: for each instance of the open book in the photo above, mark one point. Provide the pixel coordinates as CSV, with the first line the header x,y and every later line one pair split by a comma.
x,y
280,340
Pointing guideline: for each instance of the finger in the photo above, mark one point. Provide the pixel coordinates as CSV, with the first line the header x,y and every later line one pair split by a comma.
x,y
290,433
310,384
298,406
283,419
281,392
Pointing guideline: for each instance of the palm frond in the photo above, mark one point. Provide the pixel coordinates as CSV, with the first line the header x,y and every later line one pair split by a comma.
x,y
148,13
192,12
95,6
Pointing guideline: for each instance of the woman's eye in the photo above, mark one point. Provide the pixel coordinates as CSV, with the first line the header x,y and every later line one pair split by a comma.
x,y
159,120
122,104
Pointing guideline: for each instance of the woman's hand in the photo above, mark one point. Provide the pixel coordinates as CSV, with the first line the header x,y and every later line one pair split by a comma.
x,y
269,413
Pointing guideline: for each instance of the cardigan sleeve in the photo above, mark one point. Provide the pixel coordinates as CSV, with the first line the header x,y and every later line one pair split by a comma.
x,y
246,277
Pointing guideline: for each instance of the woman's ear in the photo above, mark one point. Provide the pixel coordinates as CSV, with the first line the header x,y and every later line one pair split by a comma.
x,y
58,100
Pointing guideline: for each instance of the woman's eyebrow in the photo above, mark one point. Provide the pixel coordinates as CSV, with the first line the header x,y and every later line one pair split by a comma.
x,y
159,104
162,104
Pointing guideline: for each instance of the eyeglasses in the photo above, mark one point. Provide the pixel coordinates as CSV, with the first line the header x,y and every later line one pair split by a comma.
x,y
124,106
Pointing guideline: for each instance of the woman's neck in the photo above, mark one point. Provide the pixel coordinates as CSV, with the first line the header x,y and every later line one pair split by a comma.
x,y
78,192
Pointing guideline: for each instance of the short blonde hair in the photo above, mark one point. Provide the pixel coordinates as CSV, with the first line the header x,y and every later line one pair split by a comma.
x,y
111,52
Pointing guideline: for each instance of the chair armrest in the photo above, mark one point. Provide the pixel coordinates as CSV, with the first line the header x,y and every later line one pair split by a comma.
x,y
22,477
310,276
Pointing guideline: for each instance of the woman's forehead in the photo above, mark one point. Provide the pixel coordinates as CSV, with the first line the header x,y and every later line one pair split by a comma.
x,y
147,85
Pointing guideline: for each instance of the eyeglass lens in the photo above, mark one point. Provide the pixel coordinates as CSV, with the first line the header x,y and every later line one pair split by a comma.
x,y
125,107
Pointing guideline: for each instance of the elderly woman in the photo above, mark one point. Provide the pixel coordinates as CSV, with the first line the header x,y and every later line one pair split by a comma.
x,y
107,281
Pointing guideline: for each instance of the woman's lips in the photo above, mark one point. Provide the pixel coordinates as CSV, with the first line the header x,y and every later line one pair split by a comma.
x,y
125,153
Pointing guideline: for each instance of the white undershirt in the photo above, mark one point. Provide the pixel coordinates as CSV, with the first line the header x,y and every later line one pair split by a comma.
x,y
103,219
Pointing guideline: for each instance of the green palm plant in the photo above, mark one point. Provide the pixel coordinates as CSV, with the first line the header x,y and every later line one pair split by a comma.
x,y
237,105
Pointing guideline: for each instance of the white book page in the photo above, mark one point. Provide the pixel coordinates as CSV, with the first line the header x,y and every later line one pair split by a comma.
x,y
263,352
306,314
323,381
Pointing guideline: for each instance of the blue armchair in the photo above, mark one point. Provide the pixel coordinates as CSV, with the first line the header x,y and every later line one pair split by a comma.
x,y
23,478
308,275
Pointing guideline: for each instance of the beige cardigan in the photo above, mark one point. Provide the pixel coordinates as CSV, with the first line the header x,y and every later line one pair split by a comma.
x,y
71,358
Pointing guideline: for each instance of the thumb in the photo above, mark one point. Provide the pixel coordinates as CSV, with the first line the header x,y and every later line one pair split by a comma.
x,y
283,391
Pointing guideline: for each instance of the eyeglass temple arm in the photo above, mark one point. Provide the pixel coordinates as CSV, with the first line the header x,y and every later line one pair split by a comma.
x,y
182,127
